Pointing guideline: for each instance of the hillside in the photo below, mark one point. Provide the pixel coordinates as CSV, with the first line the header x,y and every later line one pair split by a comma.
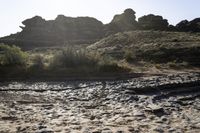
x,y
76,46
152,46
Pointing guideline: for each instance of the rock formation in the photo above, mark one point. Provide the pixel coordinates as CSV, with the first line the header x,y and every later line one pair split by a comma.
x,y
62,30
153,22
189,26
122,22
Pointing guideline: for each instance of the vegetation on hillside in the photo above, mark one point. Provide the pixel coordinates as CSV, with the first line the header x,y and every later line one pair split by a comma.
x,y
12,56
152,47
66,62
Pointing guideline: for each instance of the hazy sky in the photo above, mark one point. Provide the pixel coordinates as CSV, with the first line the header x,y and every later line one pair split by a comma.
x,y
13,12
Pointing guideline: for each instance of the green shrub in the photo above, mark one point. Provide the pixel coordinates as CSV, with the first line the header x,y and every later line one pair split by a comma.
x,y
109,67
83,61
38,62
175,64
158,66
70,57
129,56
12,56
106,64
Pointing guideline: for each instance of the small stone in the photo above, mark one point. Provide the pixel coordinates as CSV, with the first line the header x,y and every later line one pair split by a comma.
x,y
45,131
156,110
171,130
120,131
119,120
158,129
163,118
92,117
139,114
96,131
131,129
106,130
41,126
151,117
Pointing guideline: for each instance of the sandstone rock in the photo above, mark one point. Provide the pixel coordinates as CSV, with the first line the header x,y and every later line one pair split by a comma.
x,y
122,22
153,22
61,31
182,26
156,110
185,25
172,28
34,22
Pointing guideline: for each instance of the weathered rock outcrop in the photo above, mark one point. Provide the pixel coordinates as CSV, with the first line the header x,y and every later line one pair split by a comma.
x,y
38,32
62,30
122,22
153,22
189,26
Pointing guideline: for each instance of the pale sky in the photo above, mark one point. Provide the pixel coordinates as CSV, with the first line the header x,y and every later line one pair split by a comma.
x,y
13,12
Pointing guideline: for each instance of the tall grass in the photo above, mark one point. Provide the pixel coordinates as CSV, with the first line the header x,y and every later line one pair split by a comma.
x,y
12,56
84,60
66,62
129,56
70,57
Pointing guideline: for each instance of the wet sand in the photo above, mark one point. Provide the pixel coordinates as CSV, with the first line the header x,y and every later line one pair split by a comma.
x,y
169,103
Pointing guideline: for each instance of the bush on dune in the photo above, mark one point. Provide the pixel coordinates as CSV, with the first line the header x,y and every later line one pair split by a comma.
x,y
70,57
12,56
109,67
83,60
37,62
129,56
69,61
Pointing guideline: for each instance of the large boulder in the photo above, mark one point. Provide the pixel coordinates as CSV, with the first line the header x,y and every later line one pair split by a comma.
x,y
153,22
189,26
183,25
122,22
35,21
80,28
35,29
